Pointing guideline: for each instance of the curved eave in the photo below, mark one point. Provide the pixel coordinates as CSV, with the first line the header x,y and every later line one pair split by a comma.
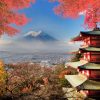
x,y
90,66
77,38
75,65
90,49
85,34
76,80
90,85
94,32
81,82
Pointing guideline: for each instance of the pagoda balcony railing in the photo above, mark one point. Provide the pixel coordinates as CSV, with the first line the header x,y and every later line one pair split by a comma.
x,y
95,56
83,45
81,58
92,45
94,74
96,77
91,74
95,44
95,60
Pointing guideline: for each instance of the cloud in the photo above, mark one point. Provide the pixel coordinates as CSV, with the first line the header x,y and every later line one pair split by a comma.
x,y
36,46
5,42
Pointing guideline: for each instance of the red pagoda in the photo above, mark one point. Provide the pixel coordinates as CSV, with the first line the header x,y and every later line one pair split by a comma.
x,y
87,81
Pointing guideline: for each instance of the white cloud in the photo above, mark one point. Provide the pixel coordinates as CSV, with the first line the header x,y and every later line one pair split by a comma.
x,y
5,42
36,46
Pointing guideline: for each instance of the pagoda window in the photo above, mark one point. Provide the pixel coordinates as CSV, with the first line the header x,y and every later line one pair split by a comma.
x,y
92,56
95,37
86,41
95,57
95,43
84,56
85,72
91,74
87,56
95,74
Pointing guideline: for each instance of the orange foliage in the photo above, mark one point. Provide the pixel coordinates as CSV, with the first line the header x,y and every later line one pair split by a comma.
x,y
45,79
25,90
9,15
73,8
63,73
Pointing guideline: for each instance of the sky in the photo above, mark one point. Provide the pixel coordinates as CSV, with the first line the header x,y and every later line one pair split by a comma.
x,y
43,18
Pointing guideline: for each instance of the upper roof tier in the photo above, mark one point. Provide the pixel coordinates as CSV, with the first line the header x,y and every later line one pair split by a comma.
x,y
82,34
91,32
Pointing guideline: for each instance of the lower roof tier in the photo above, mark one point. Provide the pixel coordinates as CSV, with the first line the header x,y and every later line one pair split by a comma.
x,y
76,80
82,64
82,82
76,64
90,66
90,85
90,49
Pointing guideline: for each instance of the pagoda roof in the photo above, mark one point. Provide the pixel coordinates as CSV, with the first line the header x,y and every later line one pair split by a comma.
x,y
94,32
83,82
77,38
76,64
91,85
76,80
91,66
93,49
86,33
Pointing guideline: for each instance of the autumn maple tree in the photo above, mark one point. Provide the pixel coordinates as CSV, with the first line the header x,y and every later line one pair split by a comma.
x,y
73,8
9,15
3,76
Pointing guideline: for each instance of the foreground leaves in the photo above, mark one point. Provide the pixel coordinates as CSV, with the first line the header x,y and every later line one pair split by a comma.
x,y
74,8
9,15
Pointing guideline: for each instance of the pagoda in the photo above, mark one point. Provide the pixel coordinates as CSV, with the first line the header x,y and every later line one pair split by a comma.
x,y
87,81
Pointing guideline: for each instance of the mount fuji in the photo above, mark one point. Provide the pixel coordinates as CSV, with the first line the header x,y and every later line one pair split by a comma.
x,y
38,36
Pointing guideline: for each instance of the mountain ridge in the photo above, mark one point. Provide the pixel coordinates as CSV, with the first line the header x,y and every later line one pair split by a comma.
x,y
38,36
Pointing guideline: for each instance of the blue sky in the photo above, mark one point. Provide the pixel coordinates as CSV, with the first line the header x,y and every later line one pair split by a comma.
x,y
43,18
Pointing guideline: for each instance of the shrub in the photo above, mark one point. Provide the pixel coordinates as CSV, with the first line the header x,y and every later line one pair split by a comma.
x,y
3,76
64,82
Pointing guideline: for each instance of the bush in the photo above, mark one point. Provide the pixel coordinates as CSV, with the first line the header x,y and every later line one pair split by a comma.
x,y
64,82
76,57
3,76
35,81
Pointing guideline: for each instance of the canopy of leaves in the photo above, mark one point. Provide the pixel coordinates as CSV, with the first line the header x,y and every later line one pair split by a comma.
x,y
73,8
3,76
9,15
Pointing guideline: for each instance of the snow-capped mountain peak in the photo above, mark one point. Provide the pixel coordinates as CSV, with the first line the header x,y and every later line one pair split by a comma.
x,y
33,33
38,36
